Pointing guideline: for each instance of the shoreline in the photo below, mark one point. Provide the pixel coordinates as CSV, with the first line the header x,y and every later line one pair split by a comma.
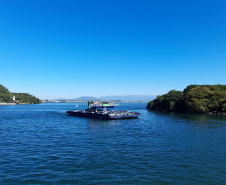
x,y
7,103
15,103
59,101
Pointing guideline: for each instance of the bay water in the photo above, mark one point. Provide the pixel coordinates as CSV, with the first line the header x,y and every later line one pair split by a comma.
x,y
40,144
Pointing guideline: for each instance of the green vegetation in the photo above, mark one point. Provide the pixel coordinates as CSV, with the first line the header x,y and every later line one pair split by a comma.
x,y
6,97
194,99
26,98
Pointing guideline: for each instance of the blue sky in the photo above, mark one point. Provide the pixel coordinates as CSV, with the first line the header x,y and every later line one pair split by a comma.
x,y
66,49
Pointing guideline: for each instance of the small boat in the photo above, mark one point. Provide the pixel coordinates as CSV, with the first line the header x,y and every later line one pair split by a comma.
x,y
103,110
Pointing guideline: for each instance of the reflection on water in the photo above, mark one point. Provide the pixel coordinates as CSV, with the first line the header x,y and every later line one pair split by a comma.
x,y
194,118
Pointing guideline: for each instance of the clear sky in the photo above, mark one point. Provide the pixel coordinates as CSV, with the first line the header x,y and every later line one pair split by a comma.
x,y
71,48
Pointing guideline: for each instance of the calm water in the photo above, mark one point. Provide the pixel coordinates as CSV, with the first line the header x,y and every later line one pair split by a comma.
x,y
39,144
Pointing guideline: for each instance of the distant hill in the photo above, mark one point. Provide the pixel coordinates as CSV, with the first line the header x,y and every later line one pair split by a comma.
x,y
130,98
26,98
86,98
6,97
115,98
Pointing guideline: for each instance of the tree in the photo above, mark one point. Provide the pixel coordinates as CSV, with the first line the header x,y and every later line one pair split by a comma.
x,y
194,99
166,102
26,98
5,95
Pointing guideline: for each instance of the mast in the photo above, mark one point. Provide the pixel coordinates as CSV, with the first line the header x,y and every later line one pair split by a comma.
x,y
88,105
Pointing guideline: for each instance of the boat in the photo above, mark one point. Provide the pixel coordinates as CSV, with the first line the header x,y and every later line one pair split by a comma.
x,y
103,110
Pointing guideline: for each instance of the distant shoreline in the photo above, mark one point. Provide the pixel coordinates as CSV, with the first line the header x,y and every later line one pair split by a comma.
x,y
58,101
67,101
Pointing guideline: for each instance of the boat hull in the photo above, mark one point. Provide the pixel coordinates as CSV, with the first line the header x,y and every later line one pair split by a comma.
x,y
100,116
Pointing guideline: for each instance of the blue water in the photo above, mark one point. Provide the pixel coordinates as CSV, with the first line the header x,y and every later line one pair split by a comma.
x,y
39,144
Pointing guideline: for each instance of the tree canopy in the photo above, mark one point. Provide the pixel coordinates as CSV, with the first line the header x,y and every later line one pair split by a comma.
x,y
26,98
6,97
194,99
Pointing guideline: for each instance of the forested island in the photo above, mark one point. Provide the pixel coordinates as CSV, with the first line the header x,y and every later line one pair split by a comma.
x,y
202,99
18,98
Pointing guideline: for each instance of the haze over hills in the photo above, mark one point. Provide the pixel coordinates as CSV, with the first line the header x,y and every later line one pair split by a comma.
x,y
115,98
130,98
84,98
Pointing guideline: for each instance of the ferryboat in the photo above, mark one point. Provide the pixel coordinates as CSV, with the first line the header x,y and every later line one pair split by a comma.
x,y
103,110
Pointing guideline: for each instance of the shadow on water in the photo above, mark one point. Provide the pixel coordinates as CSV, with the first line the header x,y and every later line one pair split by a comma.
x,y
193,118
109,122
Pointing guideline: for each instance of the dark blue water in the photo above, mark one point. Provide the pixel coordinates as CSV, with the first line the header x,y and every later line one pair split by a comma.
x,y
39,144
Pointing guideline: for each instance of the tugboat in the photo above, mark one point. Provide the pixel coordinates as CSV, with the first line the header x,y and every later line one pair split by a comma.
x,y
103,110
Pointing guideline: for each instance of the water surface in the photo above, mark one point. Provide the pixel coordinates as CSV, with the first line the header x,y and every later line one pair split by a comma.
x,y
39,144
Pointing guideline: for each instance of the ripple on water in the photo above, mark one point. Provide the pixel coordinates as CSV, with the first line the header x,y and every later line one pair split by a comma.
x,y
41,145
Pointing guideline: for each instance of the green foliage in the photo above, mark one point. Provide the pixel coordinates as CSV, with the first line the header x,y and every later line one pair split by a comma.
x,y
5,95
26,98
194,99
166,102
205,98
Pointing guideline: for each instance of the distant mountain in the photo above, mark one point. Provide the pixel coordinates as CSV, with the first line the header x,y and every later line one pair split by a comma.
x,y
130,98
86,98
115,98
